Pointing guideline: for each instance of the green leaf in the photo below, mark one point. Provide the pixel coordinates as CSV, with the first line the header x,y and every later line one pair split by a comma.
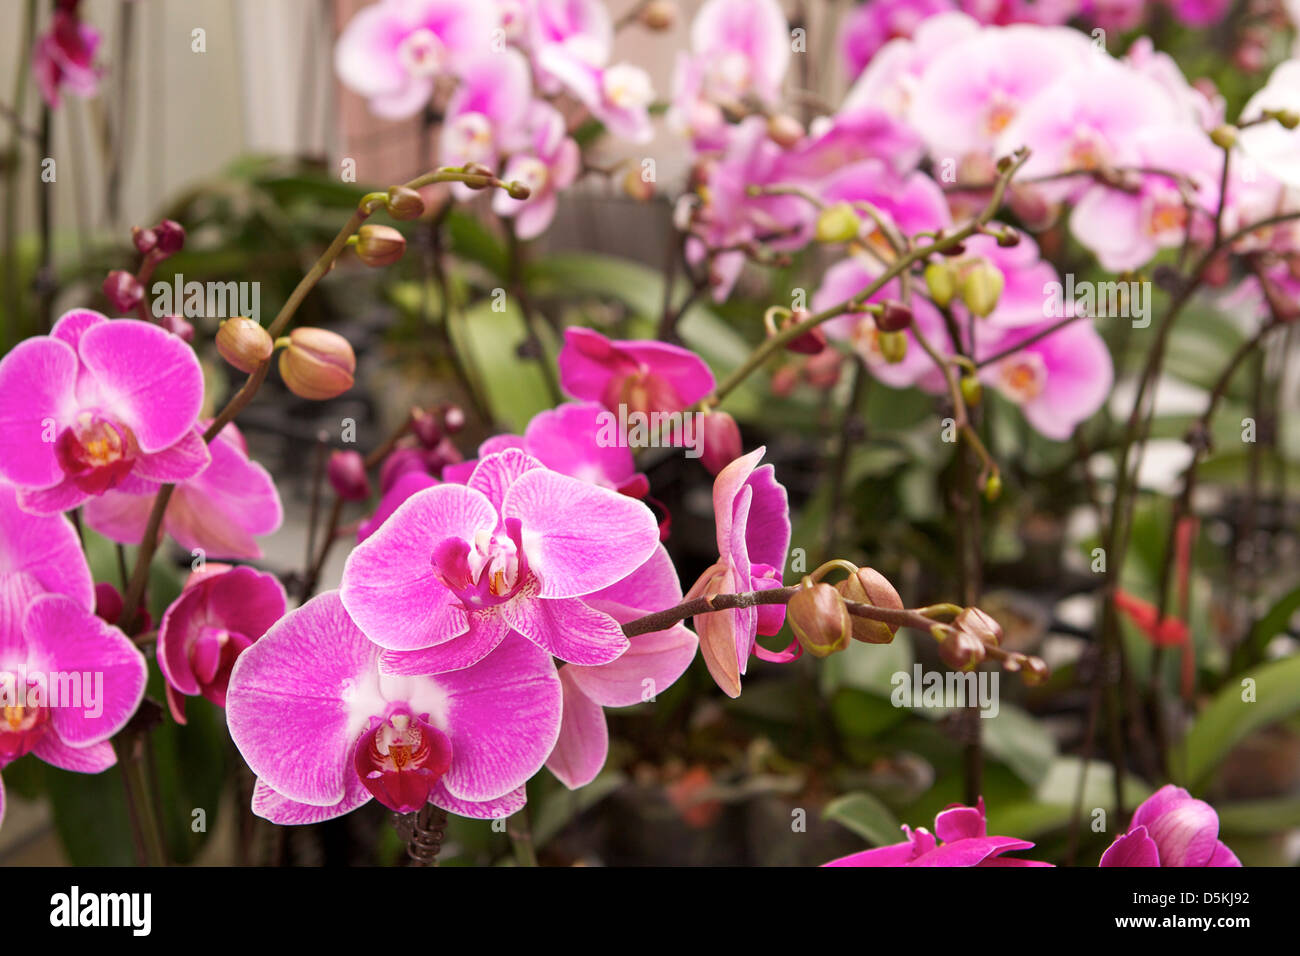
x,y
1019,741
1273,623
1229,719
867,667
555,811
1260,816
515,387
866,816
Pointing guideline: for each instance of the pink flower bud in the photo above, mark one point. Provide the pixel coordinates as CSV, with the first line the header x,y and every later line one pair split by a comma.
x,y
426,427
379,245
317,364
123,290
869,586
819,619
171,236
145,240
178,327
347,475
453,418
404,203
720,441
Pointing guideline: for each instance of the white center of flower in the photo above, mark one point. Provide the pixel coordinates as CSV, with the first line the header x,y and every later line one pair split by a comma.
x,y
729,76
627,87
1022,376
422,53
495,557
471,137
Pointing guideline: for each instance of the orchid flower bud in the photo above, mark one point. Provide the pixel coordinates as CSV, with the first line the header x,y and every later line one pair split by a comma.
x,y
894,317
145,240
971,390
893,346
244,343
658,15
784,130
317,364
869,586
379,245
838,223
171,236
720,441
123,290
979,624
404,203
347,475
941,282
426,427
981,287
178,326
959,649
819,619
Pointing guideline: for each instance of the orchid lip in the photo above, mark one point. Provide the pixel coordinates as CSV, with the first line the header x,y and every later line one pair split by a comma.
x,y
95,452
401,758
20,728
487,571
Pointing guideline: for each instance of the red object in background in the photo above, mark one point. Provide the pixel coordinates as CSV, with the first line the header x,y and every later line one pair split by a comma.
x,y
1162,632
685,792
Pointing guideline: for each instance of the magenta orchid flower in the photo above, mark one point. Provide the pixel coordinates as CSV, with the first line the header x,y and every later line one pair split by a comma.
x,y
456,567
220,512
745,47
869,26
645,376
1057,381
752,514
1005,12
68,680
64,57
551,163
97,405
393,52
619,95
960,838
325,730
220,612
1200,13
485,116
651,665
890,80
1171,828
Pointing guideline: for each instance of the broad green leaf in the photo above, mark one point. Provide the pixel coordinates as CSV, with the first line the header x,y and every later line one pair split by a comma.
x,y
1019,741
867,667
1273,694
556,810
1259,816
866,816
515,387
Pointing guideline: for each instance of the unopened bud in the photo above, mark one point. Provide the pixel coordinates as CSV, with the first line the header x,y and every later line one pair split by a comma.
x,y
170,235
379,245
1224,136
347,475
123,290
869,586
981,287
784,130
244,343
517,190
993,487
453,418
819,619
426,427
317,364
893,346
971,390
960,650
659,15
1289,119
941,281
144,239
720,441
810,342
894,317
823,369
1034,671
838,223
178,327
979,624
1008,238
404,203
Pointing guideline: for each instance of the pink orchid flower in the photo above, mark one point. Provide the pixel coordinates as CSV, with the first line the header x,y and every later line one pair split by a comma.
x,y
1004,12
752,514
51,643
869,26
1200,13
645,376
965,842
890,80
551,163
651,665
485,116
567,439
64,57
393,52
1171,828
745,47
1126,229
325,730
970,93
220,512
457,567
1275,148
619,95
1058,381
97,405
220,612
569,31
